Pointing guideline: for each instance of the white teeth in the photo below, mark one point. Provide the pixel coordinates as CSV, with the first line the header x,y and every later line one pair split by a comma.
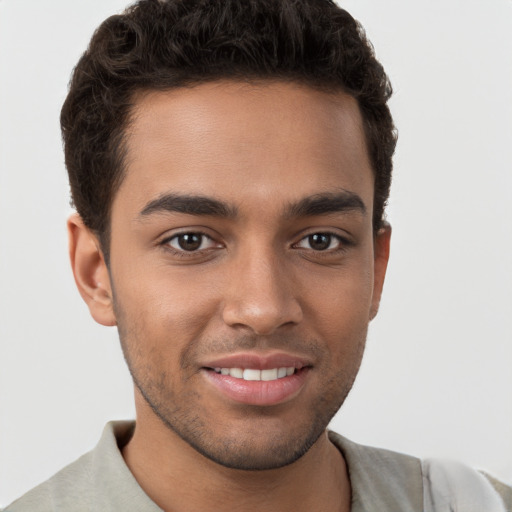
x,y
269,374
252,374
238,373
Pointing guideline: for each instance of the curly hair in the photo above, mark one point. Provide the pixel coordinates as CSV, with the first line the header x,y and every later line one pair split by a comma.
x,y
166,44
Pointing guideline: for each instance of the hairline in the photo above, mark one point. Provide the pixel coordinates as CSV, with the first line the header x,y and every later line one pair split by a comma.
x,y
120,148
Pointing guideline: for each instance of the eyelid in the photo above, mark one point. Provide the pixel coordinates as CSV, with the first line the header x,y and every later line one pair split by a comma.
x,y
334,237
165,242
204,239
344,238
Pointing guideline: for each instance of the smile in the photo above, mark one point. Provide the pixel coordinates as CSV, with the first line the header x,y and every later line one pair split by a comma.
x,y
257,378
255,375
270,386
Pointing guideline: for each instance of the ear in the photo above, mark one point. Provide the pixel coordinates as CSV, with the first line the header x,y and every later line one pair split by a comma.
x,y
90,270
381,256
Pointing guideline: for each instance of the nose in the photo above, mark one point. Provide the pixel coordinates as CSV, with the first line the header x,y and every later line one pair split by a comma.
x,y
262,295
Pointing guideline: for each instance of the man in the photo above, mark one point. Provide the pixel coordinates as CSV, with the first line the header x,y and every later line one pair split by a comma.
x,y
230,164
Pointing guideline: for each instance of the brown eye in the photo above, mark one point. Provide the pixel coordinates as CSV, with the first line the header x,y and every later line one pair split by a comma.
x,y
190,242
320,242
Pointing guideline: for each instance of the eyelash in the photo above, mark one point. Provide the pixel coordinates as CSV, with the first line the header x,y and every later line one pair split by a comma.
x,y
343,243
165,243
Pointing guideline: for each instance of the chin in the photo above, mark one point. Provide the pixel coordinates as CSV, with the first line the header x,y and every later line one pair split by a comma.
x,y
256,441
250,452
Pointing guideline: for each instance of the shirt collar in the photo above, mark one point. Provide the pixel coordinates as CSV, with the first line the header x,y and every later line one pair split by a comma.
x,y
117,487
380,479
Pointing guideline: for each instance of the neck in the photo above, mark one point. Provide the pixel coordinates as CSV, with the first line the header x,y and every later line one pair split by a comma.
x,y
180,479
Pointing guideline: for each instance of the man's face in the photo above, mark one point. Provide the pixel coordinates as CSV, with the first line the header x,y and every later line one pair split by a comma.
x,y
242,248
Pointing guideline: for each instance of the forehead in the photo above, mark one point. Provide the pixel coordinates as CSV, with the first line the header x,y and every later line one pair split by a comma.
x,y
257,141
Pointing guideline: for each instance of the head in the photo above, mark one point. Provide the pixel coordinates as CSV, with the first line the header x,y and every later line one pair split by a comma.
x,y
230,162
165,45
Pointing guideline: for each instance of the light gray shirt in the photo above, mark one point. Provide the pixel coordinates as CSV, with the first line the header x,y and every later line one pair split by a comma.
x,y
381,480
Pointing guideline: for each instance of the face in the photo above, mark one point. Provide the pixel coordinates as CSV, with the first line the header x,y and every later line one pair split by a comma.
x,y
244,268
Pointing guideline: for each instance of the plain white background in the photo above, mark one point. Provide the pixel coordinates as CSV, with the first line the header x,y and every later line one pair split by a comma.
x,y
437,378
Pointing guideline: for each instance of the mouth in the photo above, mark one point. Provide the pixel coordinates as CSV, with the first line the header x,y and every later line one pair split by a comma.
x,y
256,379
252,374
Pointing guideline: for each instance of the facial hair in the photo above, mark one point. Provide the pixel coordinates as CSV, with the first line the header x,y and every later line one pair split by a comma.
x,y
184,413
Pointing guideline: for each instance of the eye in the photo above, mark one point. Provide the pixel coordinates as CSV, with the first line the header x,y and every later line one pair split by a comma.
x,y
190,242
320,242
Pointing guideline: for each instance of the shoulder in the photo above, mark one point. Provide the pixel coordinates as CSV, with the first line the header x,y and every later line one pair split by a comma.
x,y
450,485
381,479
68,486
504,490
99,480
426,485
95,481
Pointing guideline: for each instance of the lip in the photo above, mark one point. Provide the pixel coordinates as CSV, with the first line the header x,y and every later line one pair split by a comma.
x,y
258,393
258,361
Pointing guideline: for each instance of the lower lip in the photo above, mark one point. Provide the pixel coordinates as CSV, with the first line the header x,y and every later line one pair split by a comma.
x,y
258,392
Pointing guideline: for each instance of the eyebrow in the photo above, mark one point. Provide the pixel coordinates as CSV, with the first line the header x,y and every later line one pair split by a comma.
x,y
318,204
322,204
188,204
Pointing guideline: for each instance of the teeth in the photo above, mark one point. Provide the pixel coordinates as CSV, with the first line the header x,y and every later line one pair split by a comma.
x,y
238,373
252,374
269,374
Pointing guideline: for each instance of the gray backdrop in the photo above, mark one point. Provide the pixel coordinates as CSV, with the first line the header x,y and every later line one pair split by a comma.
x,y
437,376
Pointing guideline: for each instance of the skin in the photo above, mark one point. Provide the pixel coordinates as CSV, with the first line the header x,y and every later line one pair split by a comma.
x,y
257,283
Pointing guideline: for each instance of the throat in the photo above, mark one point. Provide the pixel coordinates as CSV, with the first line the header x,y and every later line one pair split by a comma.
x,y
178,478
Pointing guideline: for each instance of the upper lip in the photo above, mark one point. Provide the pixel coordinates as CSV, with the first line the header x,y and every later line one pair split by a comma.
x,y
259,361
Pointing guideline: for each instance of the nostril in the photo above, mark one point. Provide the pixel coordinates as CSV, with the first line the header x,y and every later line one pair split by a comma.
x,y
262,319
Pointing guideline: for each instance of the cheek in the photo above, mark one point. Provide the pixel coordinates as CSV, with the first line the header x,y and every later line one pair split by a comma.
x,y
341,314
344,299
162,305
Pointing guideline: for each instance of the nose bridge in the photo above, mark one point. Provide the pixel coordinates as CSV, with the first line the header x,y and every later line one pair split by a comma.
x,y
261,296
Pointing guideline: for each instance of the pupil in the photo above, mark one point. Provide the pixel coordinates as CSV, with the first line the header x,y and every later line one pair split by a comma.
x,y
189,241
319,241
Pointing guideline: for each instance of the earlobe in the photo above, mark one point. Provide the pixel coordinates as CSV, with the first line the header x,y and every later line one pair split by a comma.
x,y
90,271
381,257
